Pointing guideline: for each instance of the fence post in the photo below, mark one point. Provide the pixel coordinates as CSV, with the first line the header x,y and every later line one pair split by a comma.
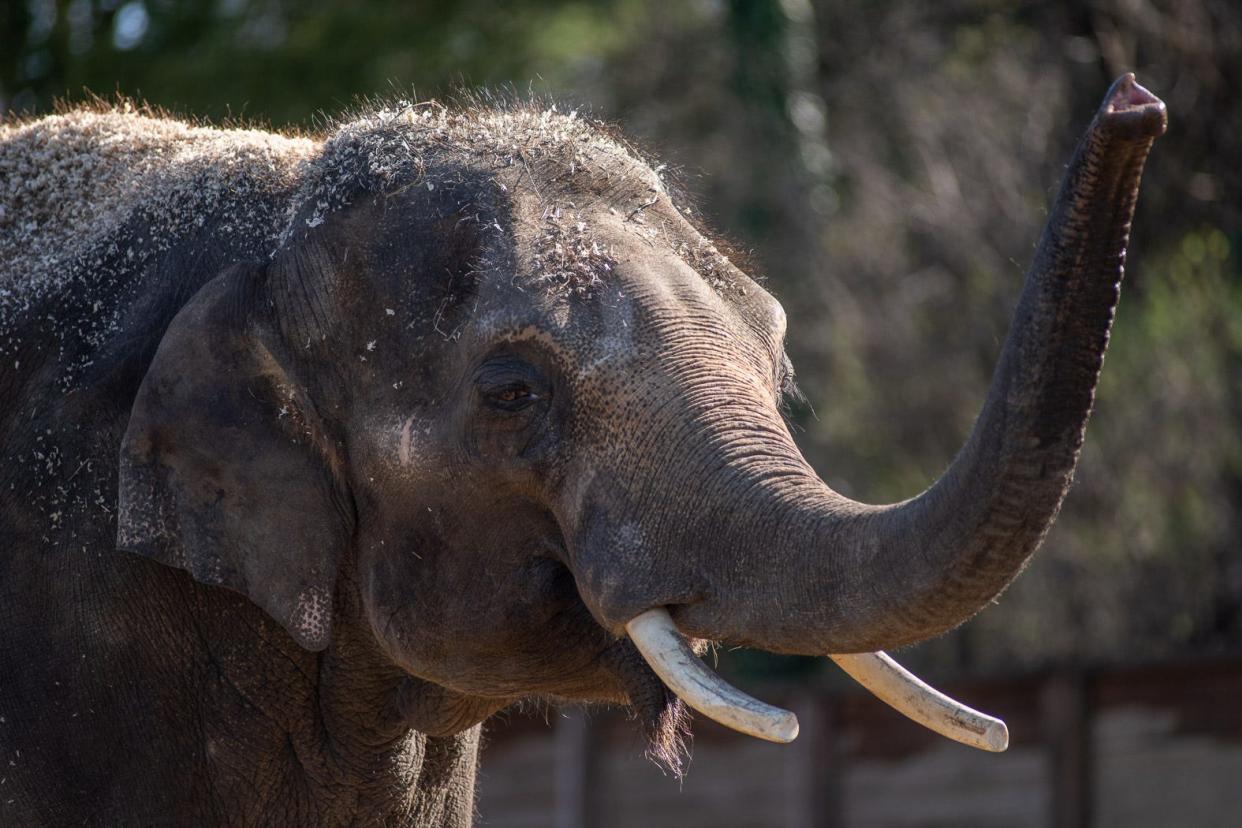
x,y
814,765
573,770
1066,723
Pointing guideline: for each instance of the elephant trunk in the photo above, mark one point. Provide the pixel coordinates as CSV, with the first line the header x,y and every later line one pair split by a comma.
x,y
823,574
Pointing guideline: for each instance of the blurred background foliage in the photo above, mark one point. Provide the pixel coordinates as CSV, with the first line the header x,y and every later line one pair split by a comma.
x,y
889,165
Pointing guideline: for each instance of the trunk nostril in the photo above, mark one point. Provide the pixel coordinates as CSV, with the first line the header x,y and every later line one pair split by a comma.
x,y
1131,107
1130,93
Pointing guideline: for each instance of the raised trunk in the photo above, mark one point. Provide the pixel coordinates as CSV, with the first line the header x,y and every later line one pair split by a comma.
x,y
878,577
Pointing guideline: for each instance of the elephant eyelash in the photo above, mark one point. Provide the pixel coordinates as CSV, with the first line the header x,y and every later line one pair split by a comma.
x,y
789,397
788,390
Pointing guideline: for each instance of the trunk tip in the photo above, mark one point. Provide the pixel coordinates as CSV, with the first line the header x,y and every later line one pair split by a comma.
x,y
1133,109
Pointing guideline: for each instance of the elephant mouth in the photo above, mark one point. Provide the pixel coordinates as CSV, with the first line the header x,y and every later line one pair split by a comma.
x,y
660,676
617,673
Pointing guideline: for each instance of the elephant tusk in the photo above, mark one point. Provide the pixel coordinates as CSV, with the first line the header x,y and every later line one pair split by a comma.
x,y
667,653
909,695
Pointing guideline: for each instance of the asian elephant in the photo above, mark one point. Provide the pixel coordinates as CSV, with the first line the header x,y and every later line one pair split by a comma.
x,y
318,451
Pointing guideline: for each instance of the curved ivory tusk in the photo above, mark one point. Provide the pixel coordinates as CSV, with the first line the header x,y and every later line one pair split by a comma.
x,y
909,695
661,645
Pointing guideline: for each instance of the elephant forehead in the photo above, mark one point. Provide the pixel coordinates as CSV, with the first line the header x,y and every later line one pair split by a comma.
x,y
598,292
575,240
616,294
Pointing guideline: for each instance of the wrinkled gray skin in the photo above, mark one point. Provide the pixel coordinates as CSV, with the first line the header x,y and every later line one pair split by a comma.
x,y
420,462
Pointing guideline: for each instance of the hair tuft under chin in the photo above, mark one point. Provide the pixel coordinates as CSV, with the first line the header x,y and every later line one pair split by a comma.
x,y
669,739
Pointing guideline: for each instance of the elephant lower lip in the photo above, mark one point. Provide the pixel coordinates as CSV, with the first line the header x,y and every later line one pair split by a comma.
x,y
662,716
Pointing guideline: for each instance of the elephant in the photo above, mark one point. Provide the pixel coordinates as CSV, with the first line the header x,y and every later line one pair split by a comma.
x,y
318,451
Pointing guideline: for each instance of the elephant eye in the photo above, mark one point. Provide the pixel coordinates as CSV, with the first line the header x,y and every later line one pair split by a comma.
x,y
513,394
510,384
513,398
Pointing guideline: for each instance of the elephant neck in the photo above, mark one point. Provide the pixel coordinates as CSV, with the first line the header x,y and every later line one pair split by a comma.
x,y
332,737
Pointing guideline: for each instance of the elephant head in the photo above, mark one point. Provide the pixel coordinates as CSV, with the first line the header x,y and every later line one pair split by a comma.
x,y
494,397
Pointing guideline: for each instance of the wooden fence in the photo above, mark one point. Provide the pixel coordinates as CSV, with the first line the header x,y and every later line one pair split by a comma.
x,y
1151,746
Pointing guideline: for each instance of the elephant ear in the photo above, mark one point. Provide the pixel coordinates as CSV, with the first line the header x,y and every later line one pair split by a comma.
x,y
224,471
